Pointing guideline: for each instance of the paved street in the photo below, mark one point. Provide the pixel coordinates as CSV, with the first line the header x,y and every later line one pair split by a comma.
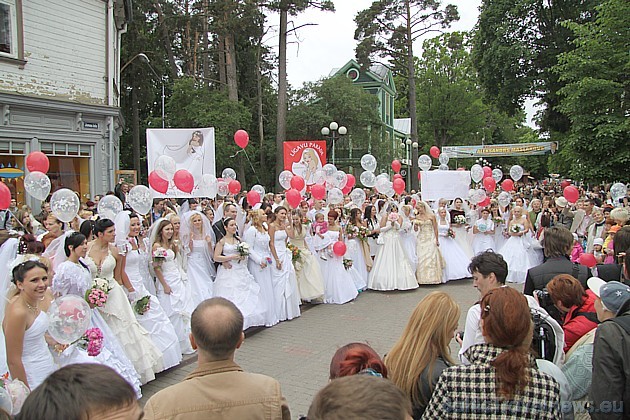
x,y
298,352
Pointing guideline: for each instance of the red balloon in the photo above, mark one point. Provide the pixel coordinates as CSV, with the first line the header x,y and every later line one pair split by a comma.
x,y
297,182
5,196
351,181
318,191
461,169
399,186
484,203
339,248
253,198
346,189
419,175
507,185
293,198
571,194
234,187
434,152
396,165
37,161
241,138
158,183
489,184
398,176
184,180
588,260
565,183
487,172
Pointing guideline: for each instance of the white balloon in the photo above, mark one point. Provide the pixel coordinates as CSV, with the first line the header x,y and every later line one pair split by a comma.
x,y
335,196
443,167
340,180
481,195
140,199
382,176
367,178
368,162
329,172
109,206
497,175
389,190
476,173
516,172
319,177
208,186
260,190
165,167
64,204
285,178
222,188
444,158
358,197
472,196
504,198
617,191
6,402
37,184
424,162
69,318
383,185
228,173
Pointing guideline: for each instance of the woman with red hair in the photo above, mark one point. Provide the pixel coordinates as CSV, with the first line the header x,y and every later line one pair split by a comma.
x,y
356,358
502,380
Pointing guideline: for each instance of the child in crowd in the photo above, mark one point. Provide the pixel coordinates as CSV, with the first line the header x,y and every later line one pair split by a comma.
x,y
598,250
577,249
321,245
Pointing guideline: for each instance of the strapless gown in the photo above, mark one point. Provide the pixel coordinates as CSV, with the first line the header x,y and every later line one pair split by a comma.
x,y
36,357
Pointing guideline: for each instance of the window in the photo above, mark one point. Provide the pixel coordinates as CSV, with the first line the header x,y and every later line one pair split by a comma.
x,y
11,41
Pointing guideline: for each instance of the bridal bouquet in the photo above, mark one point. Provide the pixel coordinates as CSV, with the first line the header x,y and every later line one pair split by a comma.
x,y
98,293
352,231
92,341
16,391
142,305
450,233
296,254
159,256
459,220
243,249
515,229
364,233
347,263
497,220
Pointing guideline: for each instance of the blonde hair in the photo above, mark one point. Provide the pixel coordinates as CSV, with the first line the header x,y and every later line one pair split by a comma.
x,y
255,217
425,338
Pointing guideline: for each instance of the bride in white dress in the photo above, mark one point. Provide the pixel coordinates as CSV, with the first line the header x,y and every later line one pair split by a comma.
x,y
105,263
8,252
234,282
456,260
391,269
195,233
517,250
285,289
72,277
154,320
172,292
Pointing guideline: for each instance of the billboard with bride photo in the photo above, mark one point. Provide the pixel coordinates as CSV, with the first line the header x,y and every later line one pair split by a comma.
x,y
178,158
304,157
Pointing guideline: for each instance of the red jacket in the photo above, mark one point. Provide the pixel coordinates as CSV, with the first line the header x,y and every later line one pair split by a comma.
x,y
575,326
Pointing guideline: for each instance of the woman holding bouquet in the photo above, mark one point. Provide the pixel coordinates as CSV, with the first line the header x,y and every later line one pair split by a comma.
x,y
430,261
106,264
456,266
483,231
309,275
72,277
172,292
146,306
234,282
391,269
285,290
196,237
358,249
515,251
459,225
260,264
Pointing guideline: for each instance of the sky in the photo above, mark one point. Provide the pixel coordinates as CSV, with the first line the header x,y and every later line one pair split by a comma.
x,y
329,44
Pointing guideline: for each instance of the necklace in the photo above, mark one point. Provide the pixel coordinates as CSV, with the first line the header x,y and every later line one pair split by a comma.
x,y
31,307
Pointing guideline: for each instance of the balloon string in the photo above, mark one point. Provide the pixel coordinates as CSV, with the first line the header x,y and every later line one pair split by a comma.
x,y
249,161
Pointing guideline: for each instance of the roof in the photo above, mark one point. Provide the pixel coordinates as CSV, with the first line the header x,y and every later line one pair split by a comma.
x,y
403,125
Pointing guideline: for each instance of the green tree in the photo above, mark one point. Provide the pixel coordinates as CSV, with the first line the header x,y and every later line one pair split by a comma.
x,y
596,94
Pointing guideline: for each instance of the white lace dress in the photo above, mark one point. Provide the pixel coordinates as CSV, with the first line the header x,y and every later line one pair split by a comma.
x,y
117,313
74,279
237,285
391,269
155,320
259,252
285,290
456,260
200,272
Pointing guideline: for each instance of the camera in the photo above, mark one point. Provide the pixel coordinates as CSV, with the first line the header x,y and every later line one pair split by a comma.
x,y
544,298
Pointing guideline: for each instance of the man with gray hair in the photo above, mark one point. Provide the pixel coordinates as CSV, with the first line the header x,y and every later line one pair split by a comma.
x,y
218,388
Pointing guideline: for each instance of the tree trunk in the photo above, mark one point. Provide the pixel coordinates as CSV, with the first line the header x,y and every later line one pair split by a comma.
x,y
411,78
230,64
281,127
135,131
166,39
205,65
222,75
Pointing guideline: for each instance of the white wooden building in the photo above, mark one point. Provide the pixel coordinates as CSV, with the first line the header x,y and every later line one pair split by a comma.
x,y
59,90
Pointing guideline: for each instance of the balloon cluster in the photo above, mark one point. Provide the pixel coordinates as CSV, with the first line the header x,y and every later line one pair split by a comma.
x,y
36,182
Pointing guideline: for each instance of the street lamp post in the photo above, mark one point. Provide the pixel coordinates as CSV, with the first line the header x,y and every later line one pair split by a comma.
x,y
414,166
334,132
143,57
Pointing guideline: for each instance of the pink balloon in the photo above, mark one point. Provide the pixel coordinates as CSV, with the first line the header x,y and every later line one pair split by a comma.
x,y
419,175
489,184
507,185
297,182
434,152
253,198
157,183
461,169
234,187
241,138
37,162
485,202
571,194
346,189
350,180
399,186
588,260
339,248
318,191
293,198
398,176
396,165
565,183
184,180
5,196
487,172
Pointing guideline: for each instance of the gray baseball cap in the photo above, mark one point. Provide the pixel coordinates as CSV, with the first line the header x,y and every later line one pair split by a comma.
x,y
613,294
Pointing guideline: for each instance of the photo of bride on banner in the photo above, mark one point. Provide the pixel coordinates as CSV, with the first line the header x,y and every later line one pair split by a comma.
x,y
178,159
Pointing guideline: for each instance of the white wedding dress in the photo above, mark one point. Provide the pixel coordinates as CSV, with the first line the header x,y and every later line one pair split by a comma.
x,y
259,252
237,285
391,270
285,289
339,287
521,254
456,260
36,358
200,272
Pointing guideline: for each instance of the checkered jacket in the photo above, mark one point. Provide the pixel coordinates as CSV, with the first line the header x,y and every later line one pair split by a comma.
x,y
470,392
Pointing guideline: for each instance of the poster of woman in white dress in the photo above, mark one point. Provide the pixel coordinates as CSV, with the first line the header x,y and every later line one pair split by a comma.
x,y
190,149
304,158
